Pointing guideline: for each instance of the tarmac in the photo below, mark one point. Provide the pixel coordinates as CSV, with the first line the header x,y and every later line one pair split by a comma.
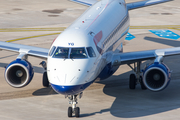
x,y
38,23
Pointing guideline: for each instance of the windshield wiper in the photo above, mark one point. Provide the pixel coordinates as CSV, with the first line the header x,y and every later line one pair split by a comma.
x,y
65,58
72,59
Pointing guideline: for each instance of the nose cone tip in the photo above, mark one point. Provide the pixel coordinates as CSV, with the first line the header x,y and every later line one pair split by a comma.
x,y
68,90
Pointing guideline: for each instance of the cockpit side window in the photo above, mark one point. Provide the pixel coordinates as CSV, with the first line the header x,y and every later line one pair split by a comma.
x,y
91,52
52,50
78,53
61,52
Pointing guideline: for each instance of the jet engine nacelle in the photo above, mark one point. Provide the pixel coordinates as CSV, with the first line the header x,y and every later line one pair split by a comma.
x,y
156,77
19,73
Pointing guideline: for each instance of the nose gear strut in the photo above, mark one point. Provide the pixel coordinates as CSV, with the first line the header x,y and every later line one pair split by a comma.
x,y
73,101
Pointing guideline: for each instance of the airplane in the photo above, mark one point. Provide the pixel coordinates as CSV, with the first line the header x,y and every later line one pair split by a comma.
x,y
91,49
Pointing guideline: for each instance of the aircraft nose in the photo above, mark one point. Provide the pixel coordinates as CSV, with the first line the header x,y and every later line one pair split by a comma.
x,y
69,77
70,89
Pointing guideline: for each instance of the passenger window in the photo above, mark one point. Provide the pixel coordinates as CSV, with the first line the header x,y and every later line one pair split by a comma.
x,y
61,52
52,50
78,53
91,52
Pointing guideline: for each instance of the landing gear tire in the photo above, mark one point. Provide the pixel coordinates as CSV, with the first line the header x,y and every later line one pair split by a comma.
x,y
132,81
143,87
45,80
77,111
70,112
73,101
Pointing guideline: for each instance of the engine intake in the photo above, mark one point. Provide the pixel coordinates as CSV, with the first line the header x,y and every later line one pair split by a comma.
x,y
156,77
19,73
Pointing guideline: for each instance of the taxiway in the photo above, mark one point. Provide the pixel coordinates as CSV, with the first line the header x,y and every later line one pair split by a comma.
x,y
38,22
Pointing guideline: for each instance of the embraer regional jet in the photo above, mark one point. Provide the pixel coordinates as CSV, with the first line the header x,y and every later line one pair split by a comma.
x,y
90,49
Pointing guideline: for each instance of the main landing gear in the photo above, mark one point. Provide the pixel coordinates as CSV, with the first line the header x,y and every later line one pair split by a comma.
x,y
45,80
137,78
73,101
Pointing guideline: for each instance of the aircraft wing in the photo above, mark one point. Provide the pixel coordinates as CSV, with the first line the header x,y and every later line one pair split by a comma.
x,y
85,2
140,4
28,50
131,57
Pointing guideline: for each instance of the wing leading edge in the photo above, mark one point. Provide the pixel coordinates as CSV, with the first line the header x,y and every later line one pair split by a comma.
x,y
28,50
140,4
131,57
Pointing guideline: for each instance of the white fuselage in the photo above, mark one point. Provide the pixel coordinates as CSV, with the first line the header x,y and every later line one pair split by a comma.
x,y
103,28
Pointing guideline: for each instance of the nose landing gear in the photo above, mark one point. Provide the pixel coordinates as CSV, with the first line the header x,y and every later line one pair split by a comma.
x,y
73,101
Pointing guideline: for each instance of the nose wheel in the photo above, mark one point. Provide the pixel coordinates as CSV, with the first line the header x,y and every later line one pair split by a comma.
x,y
74,110
71,112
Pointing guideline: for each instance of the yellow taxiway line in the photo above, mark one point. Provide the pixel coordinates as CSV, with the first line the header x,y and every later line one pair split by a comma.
x,y
32,37
177,27
60,29
32,29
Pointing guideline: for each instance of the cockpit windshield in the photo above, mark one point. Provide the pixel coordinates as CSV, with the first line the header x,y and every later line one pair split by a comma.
x,y
72,53
61,52
69,53
78,53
